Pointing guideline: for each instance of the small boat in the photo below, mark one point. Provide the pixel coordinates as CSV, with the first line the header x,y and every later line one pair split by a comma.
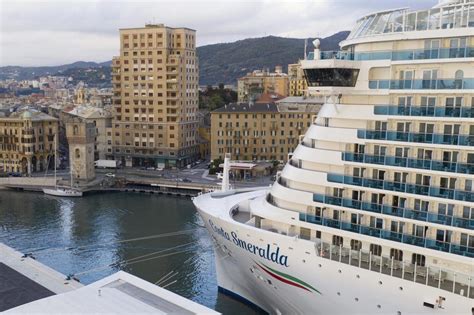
x,y
62,192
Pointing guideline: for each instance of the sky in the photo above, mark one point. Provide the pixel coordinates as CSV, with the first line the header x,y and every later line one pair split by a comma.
x,y
55,32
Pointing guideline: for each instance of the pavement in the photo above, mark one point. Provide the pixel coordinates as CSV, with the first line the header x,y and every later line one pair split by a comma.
x,y
197,174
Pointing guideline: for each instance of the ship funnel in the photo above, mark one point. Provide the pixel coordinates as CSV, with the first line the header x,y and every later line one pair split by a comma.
x,y
225,173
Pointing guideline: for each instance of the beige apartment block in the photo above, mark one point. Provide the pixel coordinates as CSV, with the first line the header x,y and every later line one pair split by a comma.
x,y
155,84
259,82
261,131
27,142
296,82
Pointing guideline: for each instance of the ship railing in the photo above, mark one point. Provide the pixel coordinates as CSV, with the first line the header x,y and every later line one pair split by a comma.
x,y
441,278
396,55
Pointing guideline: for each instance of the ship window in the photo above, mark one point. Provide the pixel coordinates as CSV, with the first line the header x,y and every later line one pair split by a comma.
x,y
396,254
376,249
337,240
331,77
418,259
356,245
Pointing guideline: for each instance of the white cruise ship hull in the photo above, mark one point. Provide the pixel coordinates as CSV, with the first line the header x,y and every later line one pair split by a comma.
x,y
281,274
62,192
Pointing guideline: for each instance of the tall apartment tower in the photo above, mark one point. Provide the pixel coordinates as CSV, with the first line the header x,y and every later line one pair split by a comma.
x,y
155,82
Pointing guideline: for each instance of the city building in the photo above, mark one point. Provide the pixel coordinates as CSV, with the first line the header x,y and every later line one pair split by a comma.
x,y
81,135
102,120
155,84
258,82
296,81
27,142
261,131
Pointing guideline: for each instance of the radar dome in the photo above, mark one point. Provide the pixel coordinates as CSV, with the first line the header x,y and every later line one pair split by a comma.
x,y
316,43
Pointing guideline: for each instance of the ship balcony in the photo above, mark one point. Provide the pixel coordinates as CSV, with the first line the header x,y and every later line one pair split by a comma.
x,y
397,55
433,165
420,84
433,138
433,276
439,192
401,212
425,111
389,235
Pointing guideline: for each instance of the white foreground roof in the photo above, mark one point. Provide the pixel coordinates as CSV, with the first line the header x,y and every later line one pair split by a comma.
x,y
120,293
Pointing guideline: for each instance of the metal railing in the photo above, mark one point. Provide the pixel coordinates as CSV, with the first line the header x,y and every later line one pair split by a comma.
x,y
419,137
434,165
425,111
420,84
444,279
402,212
389,235
424,190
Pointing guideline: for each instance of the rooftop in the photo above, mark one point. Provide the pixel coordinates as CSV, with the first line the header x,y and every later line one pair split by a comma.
x,y
120,293
247,108
30,114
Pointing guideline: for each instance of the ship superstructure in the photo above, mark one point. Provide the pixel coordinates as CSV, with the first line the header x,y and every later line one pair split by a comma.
x,y
374,212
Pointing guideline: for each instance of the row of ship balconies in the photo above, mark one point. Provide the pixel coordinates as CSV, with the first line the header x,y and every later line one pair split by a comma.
x,y
409,188
390,235
425,111
398,55
389,261
418,137
422,84
398,161
402,212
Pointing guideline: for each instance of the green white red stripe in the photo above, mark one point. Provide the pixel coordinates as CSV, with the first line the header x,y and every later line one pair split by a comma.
x,y
286,278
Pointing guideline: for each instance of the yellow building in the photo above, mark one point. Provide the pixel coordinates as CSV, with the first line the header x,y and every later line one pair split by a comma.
x,y
258,82
297,83
27,142
261,131
155,84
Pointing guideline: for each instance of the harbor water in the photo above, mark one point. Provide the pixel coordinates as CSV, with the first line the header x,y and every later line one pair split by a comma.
x,y
88,237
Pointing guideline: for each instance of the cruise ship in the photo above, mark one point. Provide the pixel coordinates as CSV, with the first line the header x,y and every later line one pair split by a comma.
x,y
374,212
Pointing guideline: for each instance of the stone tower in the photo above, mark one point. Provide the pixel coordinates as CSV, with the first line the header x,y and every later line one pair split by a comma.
x,y
81,137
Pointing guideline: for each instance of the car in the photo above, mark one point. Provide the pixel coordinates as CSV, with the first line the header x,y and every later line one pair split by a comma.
x,y
110,175
150,168
14,174
159,169
186,180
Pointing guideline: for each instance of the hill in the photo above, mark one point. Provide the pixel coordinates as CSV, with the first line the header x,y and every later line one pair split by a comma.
x,y
218,63
224,63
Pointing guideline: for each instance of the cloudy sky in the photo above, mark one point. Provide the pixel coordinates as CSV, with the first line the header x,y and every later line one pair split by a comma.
x,y
48,32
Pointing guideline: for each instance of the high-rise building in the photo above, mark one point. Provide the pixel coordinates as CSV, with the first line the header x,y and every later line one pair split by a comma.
x,y
155,83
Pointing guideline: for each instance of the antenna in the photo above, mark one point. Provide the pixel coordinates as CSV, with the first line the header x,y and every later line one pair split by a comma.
x,y
305,46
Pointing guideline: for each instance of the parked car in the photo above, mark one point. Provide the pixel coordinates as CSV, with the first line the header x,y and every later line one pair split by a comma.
x,y
186,180
110,175
14,174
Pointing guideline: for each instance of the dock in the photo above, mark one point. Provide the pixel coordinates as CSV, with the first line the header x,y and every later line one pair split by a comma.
x,y
27,287
145,185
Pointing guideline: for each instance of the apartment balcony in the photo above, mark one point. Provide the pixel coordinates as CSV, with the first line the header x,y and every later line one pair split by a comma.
x,y
425,111
431,191
401,212
389,235
434,138
398,55
433,165
420,84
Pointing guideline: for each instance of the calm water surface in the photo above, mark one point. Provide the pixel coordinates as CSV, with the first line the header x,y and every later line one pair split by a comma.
x,y
56,229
